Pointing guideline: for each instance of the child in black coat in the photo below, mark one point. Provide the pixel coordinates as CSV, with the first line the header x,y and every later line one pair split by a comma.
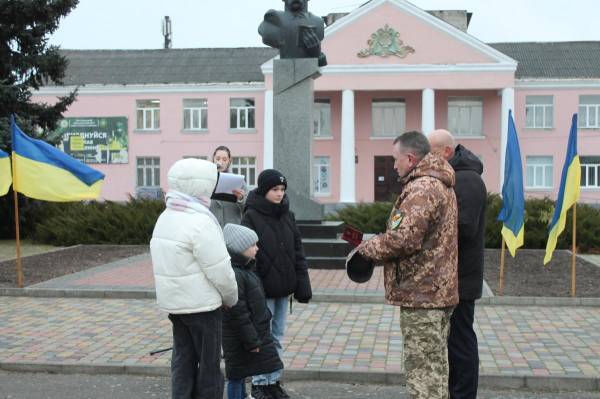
x,y
247,341
280,263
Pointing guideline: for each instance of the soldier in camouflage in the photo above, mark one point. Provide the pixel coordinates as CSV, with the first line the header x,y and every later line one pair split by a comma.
x,y
419,253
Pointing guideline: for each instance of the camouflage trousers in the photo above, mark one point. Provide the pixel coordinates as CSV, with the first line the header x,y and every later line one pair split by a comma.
x,y
425,333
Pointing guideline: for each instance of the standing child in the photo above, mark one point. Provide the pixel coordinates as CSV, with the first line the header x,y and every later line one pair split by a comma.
x,y
194,279
280,263
247,341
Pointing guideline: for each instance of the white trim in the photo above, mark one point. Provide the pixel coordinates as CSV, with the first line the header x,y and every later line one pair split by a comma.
x,y
267,68
347,152
482,137
323,138
268,131
427,111
382,137
557,84
143,89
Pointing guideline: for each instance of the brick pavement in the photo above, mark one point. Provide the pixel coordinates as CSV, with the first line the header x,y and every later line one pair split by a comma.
x,y
136,273
523,340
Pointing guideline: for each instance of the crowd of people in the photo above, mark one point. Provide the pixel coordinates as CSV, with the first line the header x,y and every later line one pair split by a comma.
x,y
225,269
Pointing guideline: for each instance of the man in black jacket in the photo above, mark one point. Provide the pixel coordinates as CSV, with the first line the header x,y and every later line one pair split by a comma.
x,y
471,194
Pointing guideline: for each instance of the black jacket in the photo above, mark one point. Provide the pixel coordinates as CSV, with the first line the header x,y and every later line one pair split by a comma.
x,y
280,262
471,195
247,326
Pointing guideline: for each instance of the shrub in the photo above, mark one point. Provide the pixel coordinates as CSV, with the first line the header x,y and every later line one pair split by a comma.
x,y
367,217
372,218
97,222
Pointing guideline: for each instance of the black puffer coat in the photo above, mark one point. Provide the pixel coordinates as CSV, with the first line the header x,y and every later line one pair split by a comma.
x,y
471,196
280,262
247,326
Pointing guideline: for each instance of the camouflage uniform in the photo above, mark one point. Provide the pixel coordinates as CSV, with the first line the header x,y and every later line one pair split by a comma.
x,y
419,251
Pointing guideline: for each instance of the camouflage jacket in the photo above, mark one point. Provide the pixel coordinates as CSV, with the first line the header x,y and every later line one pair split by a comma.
x,y
419,249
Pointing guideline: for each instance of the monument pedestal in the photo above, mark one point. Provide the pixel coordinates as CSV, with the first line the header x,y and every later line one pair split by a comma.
x,y
293,98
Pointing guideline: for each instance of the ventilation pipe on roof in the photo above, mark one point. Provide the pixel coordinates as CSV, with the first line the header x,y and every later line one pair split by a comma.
x,y
166,31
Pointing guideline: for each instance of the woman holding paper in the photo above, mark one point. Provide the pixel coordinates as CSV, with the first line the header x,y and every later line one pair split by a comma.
x,y
227,210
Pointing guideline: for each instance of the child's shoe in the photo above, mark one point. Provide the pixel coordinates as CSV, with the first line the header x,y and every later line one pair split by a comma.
x,y
261,392
277,392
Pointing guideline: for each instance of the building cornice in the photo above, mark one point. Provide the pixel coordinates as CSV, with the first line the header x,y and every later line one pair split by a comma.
x,y
267,68
94,89
557,84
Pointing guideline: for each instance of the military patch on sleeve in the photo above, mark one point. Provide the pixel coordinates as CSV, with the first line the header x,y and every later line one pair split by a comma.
x,y
396,220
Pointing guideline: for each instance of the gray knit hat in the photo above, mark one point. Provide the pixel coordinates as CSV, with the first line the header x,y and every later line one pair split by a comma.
x,y
238,238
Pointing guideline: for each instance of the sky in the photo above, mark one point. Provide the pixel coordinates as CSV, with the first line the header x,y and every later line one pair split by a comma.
x,y
136,24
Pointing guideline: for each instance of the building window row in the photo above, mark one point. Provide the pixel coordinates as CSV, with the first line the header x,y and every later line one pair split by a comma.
x,y
148,172
195,114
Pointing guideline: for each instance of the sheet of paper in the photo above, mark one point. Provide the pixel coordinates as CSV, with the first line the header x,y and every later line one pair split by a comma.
x,y
229,182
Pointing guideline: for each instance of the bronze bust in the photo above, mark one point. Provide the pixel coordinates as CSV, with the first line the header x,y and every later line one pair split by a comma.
x,y
295,32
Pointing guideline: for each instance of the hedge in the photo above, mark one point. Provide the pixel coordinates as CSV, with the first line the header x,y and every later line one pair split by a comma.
x,y
372,217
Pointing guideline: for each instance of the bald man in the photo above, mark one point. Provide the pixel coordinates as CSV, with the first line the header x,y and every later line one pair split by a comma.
x,y
471,194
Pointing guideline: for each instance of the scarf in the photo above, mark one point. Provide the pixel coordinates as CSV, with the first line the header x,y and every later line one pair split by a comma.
x,y
182,202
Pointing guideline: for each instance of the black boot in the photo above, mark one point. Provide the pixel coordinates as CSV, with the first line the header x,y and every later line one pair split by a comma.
x,y
277,391
261,392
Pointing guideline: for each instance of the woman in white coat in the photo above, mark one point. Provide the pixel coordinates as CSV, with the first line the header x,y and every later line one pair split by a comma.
x,y
194,278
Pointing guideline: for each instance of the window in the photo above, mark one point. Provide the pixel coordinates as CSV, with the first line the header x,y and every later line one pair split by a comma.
x,y
590,172
465,116
245,166
539,112
321,176
204,157
148,114
589,112
241,113
322,118
538,172
148,172
195,114
388,117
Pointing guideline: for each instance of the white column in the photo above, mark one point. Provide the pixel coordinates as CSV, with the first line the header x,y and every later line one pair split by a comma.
x,y
508,103
268,131
428,111
348,167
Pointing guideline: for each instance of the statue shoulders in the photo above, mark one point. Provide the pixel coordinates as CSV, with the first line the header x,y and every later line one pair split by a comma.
x,y
274,16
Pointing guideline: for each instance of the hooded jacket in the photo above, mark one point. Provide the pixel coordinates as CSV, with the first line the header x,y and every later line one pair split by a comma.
x,y
192,269
471,195
280,262
419,247
247,326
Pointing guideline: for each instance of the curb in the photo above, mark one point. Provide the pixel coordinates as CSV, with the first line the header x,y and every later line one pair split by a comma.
x,y
490,381
318,297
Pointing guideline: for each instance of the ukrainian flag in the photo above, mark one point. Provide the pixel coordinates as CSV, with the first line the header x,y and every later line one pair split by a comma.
x,y
46,173
512,214
5,174
568,194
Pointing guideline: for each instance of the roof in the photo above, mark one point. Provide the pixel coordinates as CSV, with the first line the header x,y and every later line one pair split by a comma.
x,y
201,65
554,60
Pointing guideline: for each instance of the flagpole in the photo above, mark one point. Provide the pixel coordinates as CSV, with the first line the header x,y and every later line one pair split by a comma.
x,y
17,233
574,253
501,278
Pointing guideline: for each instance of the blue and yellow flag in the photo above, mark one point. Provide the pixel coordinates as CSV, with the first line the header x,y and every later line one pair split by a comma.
x,y
46,173
512,214
5,173
568,194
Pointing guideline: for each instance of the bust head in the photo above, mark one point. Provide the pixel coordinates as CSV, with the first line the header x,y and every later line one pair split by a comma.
x,y
296,6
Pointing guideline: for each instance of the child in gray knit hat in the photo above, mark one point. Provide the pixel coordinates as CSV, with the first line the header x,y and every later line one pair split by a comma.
x,y
248,344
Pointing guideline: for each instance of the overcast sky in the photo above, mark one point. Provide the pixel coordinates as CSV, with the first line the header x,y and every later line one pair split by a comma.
x,y
136,24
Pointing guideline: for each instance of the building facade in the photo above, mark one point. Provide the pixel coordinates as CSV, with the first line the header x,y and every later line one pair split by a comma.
x,y
392,67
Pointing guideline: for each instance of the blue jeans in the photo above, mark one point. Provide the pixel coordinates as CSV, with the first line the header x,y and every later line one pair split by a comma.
x,y
236,389
278,308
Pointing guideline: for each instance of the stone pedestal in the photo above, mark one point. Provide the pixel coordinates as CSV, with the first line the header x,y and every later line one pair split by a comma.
x,y
293,100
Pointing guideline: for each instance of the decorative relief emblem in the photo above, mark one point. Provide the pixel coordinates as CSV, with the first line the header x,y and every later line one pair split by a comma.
x,y
386,41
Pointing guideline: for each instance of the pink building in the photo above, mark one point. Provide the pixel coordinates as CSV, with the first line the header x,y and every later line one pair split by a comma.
x,y
392,67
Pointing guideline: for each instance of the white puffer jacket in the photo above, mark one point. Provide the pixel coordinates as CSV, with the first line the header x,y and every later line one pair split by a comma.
x,y
192,269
